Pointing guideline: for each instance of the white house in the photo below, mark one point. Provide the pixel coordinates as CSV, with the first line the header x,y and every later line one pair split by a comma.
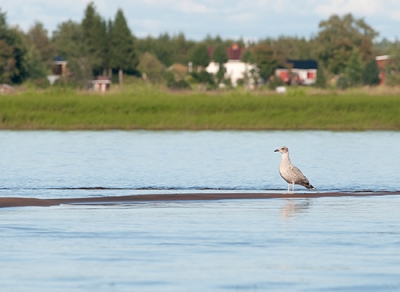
x,y
299,72
235,68
100,84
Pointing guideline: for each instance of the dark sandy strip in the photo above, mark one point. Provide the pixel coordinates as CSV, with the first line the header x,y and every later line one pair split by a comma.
x,y
23,202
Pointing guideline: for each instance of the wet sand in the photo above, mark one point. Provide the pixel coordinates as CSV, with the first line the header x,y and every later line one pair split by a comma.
x,y
24,202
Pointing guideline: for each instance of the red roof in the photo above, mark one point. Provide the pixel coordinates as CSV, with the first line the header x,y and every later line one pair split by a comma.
x,y
234,52
210,52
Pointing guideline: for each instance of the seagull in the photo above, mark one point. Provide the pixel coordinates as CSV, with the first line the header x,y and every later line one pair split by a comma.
x,y
290,173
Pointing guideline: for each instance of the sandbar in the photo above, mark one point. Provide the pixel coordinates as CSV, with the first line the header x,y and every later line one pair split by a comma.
x,y
25,202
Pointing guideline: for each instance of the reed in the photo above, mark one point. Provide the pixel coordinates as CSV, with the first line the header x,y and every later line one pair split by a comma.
x,y
145,107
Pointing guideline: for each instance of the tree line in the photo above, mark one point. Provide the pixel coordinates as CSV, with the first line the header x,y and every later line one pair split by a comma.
x,y
345,48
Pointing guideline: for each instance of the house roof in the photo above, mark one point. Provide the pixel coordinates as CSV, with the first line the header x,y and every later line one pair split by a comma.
x,y
234,52
58,59
303,64
382,58
100,77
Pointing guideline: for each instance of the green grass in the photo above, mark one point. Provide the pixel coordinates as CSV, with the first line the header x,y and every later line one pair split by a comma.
x,y
148,108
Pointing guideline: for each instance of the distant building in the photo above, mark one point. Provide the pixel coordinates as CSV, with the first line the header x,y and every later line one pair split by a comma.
x,y
100,84
59,69
298,72
235,68
59,66
382,61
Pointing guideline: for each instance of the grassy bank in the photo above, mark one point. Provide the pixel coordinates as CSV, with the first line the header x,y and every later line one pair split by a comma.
x,y
148,108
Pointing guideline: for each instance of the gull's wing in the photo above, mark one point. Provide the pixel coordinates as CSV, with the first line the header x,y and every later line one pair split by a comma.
x,y
300,178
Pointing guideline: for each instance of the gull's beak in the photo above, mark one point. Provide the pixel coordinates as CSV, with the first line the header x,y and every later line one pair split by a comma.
x,y
276,150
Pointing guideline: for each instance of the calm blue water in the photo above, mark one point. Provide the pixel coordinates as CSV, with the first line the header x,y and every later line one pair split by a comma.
x,y
48,164
324,244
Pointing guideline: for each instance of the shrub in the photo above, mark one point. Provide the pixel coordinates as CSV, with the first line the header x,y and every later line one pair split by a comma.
x,y
181,84
321,78
173,84
274,82
370,74
343,83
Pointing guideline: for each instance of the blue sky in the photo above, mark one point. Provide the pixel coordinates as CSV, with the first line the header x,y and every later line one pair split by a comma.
x,y
196,18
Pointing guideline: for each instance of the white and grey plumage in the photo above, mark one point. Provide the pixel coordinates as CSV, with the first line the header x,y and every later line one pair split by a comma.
x,y
290,173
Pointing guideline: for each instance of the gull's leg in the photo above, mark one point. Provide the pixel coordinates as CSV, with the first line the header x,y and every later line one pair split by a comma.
x,y
293,188
288,188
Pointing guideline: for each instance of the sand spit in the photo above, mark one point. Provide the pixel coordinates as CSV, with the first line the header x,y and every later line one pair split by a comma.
x,y
24,202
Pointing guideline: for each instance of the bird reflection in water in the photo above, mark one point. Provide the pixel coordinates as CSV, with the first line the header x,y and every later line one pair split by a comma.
x,y
294,207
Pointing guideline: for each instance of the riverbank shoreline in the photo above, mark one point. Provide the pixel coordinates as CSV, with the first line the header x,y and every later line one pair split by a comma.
x,y
151,109
112,200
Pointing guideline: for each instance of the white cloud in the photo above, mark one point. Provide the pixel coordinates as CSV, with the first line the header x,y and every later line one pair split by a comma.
x,y
185,6
50,13
245,16
200,17
190,7
149,25
395,15
359,7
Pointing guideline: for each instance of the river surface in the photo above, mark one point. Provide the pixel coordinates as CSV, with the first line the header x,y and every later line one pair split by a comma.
x,y
321,244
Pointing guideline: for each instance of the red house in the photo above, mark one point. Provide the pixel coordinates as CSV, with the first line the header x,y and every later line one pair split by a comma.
x,y
382,62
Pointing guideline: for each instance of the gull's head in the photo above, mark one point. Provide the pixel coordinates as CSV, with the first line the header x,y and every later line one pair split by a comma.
x,y
282,149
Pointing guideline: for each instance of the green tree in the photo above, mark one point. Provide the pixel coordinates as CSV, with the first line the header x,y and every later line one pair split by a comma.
x,y
201,59
292,47
370,75
321,78
180,49
267,62
36,67
199,56
163,49
151,66
339,36
70,44
221,57
95,35
40,51
251,76
337,61
248,57
38,37
69,40
205,80
20,56
122,52
168,49
353,71
107,64
392,68
7,62
13,53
